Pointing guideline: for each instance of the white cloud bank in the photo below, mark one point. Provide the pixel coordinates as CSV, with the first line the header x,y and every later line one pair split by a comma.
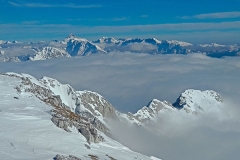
x,y
220,32
45,5
131,80
218,15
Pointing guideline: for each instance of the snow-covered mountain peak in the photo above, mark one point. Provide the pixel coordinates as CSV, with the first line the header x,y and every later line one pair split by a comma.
x,y
82,47
16,42
72,37
49,53
2,42
212,45
132,40
148,113
76,46
158,105
107,40
196,101
153,41
181,43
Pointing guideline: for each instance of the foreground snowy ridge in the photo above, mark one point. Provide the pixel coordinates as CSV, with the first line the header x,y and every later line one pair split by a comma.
x,y
27,112
54,119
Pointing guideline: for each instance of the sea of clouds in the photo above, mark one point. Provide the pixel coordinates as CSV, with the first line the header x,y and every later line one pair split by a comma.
x,y
130,81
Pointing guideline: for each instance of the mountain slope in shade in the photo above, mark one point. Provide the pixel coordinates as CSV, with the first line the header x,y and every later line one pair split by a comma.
x,y
149,45
81,47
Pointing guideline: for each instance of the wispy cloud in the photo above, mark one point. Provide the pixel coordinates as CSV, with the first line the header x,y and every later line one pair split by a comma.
x,y
144,16
218,15
43,5
30,22
119,19
217,32
130,28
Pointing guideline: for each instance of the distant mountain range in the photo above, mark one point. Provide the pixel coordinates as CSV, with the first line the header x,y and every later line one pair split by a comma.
x,y
75,46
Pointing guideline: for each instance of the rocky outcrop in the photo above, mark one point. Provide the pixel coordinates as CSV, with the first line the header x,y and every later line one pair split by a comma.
x,y
62,115
97,104
64,118
62,157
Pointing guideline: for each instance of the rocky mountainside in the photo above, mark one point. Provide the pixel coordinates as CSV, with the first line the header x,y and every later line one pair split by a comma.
x,y
81,47
44,119
48,115
73,46
48,53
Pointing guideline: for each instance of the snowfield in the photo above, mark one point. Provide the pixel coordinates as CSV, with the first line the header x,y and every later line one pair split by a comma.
x,y
27,131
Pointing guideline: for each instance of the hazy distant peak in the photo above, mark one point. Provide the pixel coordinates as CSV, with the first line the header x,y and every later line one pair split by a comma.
x,y
212,45
107,40
73,37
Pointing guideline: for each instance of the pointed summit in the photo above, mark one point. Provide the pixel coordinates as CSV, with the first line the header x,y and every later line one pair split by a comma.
x,y
73,37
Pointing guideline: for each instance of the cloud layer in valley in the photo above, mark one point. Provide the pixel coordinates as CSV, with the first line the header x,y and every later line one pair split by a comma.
x,y
131,80
186,137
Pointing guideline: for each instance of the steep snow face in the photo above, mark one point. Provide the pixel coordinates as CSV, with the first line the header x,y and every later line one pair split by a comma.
x,y
49,53
196,101
65,91
28,133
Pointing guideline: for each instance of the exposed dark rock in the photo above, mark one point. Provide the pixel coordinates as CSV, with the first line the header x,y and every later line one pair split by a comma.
x,y
87,146
62,116
70,157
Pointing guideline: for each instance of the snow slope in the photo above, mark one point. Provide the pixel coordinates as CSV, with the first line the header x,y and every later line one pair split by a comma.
x,y
28,133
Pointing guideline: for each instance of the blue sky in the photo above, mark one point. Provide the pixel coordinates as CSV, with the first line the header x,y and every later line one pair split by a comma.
x,y
195,21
